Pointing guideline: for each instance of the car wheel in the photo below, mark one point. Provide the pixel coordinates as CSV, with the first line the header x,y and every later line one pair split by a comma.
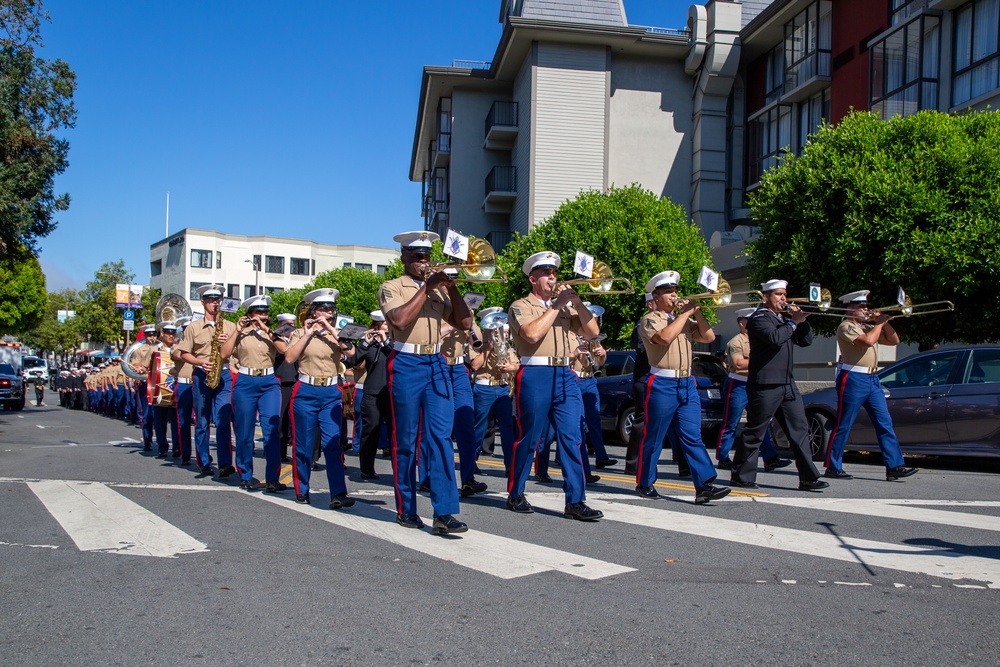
x,y
625,423
818,434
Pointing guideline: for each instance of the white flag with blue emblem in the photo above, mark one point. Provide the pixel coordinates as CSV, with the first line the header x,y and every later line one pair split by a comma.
x,y
709,279
456,245
901,297
583,265
474,299
815,293
343,321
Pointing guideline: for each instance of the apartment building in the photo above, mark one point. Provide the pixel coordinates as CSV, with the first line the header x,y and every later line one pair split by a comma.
x,y
248,265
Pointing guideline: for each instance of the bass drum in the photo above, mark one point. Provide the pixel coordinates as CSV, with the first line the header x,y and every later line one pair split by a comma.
x,y
160,385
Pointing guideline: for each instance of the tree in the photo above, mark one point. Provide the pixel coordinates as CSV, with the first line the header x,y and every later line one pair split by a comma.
x,y
873,204
22,293
632,230
36,100
98,318
52,335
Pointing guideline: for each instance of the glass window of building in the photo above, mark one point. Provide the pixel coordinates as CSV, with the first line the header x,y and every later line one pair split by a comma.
x,y
904,9
363,266
274,264
977,56
201,259
807,44
233,291
273,290
298,266
774,82
249,291
811,113
769,135
193,294
347,265
905,67
381,269
256,263
218,259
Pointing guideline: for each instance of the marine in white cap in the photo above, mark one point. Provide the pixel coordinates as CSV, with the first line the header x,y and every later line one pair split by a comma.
x,y
371,395
671,393
164,410
543,325
416,305
140,361
639,371
494,370
773,329
182,374
858,338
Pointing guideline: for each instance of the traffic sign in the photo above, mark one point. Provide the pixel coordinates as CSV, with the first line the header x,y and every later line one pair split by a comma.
x,y
129,315
128,325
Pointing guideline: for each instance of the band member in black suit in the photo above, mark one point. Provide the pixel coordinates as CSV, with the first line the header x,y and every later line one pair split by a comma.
x,y
773,329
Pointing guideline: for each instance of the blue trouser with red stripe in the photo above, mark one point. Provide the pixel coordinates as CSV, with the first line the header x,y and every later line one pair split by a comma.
x,y
548,396
162,416
463,429
592,417
145,414
184,398
420,389
496,399
854,391
253,396
666,399
315,407
545,448
214,404
735,396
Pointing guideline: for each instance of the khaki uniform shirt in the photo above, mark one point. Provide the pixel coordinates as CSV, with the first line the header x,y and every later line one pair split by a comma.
x,y
456,343
198,335
118,376
676,356
426,328
320,356
856,355
558,341
738,347
489,371
143,354
254,349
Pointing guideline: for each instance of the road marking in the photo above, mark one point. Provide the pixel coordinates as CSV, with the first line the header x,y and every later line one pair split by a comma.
x,y
126,441
52,426
31,546
100,519
934,562
501,557
890,510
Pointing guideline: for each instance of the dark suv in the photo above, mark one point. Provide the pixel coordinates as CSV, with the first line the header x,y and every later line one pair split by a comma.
x,y
614,383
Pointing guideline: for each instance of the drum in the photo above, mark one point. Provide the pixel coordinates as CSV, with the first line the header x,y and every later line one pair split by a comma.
x,y
160,385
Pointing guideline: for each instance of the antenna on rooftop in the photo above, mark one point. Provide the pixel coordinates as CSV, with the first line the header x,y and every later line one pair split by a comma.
x,y
167,232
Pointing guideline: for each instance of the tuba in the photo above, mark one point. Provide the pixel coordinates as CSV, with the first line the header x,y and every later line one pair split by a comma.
x,y
172,307
127,367
492,324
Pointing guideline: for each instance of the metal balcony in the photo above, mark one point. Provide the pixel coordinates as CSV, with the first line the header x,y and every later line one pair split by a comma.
x,y
501,189
501,125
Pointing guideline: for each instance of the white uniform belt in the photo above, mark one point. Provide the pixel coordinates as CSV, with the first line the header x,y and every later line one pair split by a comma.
x,y
359,385
669,373
858,369
455,361
319,381
545,361
183,380
256,372
737,377
489,382
584,374
414,348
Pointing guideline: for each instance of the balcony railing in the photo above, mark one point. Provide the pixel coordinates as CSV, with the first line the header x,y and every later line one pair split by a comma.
x,y
470,64
501,189
806,76
501,125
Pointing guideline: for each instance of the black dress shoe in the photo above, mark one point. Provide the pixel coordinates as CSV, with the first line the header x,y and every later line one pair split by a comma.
x,y
813,485
776,462
250,484
286,459
472,487
743,485
542,477
833,473
725,464
899,472
303,499
147,449
591,479
425,486
206,470
447,524
226,471
684,472
161,455
606,463
646,491
412,521
385,453
317,466
275,487
185,462
176,454
341,501
519,504
581,512
369,475
710,492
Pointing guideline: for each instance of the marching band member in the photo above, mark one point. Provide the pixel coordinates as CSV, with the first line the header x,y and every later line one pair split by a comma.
x,y
117,382
211,404
590,357
735,395
140,360
640,369
183,396
858,385
456,346
256,392
416,305
287,376
372,356
166,414
317,399
771,392
491,391
546,390
671,393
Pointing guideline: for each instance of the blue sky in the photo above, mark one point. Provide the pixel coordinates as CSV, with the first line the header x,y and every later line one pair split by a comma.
x,y
291,119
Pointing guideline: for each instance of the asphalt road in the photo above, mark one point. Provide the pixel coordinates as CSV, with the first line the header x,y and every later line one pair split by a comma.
x,y
111,557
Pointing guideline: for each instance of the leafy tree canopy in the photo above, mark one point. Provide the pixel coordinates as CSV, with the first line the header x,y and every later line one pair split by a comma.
x,y
871,204
36,101
51,335
97,317
22,293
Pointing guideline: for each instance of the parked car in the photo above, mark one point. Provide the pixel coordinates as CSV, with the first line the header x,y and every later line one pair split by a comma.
x,y
614,383
942,402
33,367
11,388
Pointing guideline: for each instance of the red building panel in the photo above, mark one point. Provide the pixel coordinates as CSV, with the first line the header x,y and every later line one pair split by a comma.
x,y
854,22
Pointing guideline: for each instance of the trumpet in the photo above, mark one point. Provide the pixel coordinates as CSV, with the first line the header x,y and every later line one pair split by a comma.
x,y
600,282
480,265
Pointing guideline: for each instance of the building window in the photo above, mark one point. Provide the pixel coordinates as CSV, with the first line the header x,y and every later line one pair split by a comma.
x,y
769,135
273,290
156,267
811,113
347,265
256,263
977,61
904,9
274,264
363,266
249,291
807,44
193,294
314,267
298,266
381,269
904,68
201,259
233,291
218,259
775,79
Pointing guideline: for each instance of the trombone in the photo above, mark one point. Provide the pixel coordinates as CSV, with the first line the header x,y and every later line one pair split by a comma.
x,y
600,282
722,297
823,307
910,309
480,265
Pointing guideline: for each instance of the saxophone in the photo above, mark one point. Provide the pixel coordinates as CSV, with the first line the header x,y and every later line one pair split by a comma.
x,y
215,375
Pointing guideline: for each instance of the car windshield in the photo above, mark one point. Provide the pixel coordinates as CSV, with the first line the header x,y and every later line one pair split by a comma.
x,y
923,372
32,362
7,369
